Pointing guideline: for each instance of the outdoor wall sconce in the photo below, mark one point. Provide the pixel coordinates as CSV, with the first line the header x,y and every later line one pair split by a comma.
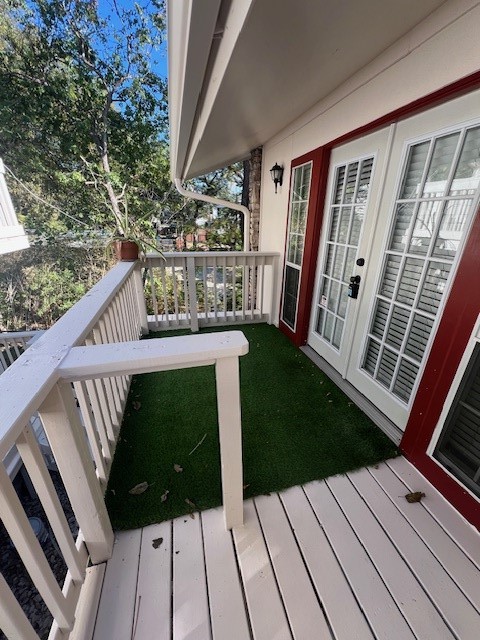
x,y
277,175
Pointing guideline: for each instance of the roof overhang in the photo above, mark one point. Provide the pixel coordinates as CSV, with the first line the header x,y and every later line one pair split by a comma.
x,y
242,70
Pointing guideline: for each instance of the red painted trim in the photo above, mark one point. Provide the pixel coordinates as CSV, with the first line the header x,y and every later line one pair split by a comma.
x,y
320,160
453,334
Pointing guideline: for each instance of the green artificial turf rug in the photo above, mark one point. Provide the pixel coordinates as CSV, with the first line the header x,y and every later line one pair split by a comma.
x,y
297,426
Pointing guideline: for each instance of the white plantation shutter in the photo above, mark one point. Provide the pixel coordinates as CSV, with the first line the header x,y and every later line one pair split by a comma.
x,y
459,446
440,180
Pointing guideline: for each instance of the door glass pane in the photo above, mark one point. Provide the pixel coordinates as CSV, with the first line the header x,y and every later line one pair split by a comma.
x,y
458,448
351,186
430,215
297,223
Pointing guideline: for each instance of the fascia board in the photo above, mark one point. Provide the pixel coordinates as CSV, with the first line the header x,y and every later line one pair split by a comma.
x,y
191,27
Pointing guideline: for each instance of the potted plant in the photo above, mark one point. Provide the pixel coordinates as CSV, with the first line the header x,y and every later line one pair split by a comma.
x,y
130,239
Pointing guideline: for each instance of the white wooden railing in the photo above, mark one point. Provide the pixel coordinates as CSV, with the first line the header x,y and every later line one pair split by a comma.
x,y
210,288
76,377
112,311
13,344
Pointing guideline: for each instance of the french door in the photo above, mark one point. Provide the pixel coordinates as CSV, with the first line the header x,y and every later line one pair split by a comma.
x,y
413,190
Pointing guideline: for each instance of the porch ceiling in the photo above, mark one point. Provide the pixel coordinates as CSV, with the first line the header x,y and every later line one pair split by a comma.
x,y
241,70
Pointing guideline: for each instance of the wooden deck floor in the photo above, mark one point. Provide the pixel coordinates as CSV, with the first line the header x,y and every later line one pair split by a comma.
x,y
346,559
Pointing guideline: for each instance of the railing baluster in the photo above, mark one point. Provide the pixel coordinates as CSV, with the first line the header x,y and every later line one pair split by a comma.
x,y
215,289
254,291
154,296
116,381
175,295
113,318
192,294
92,433
224,280
102,403
32,457
107,445
166,314
205,291
141,305
15,623
65,433
99,337
16,523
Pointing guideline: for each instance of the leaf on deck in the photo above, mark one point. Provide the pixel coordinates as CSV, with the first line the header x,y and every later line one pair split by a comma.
x,y
156,542
178,468
164,496
416,496
139,488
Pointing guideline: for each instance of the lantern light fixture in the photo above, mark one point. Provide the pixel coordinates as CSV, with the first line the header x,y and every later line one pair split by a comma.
x,y
277,175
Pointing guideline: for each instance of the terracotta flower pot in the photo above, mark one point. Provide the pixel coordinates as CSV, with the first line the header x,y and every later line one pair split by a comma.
x,y
126,251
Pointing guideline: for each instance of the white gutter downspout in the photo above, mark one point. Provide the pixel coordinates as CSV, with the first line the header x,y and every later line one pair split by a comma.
x,y
220,203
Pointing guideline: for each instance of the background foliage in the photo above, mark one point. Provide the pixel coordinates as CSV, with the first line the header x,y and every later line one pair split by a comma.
x,y
83,132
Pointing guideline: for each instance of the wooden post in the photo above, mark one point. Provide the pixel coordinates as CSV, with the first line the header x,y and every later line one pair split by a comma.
x,y
140,295
230,433
62,425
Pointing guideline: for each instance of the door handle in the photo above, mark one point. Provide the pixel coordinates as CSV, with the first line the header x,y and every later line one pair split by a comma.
x,y
354,286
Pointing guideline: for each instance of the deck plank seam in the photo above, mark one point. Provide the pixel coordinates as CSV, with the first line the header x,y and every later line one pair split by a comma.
x,y
411,567
171,579
204,555
340,565
242,586
307,570
427,544
136,602
274,573
371,559
99,598
410,487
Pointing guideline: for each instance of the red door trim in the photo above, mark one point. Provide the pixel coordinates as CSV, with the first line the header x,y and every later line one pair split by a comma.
x,y
320,159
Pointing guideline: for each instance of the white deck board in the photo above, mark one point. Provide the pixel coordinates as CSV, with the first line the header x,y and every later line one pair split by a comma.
x,y
267,614
117,603
191,619
342,609
153,615
227,607
411,599
301,604
382,613
343,559
454,606
453,560
464,534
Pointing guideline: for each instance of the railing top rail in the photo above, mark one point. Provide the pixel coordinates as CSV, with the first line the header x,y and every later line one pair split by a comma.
x,y
26,383
16,335
210,254
157,354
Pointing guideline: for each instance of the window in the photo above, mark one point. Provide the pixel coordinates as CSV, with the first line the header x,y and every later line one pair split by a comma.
x,y
297,223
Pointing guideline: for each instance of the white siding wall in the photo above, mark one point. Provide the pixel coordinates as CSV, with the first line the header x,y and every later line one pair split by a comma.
x,y
439,51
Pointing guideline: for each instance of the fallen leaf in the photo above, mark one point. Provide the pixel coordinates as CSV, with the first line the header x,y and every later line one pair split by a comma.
x,y
139,488
245,486
113,491
164,496
416,496
192,516
136,405
157,542
178,468
190,503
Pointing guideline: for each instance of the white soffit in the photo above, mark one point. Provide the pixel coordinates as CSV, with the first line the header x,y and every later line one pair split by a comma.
x,y
269,62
